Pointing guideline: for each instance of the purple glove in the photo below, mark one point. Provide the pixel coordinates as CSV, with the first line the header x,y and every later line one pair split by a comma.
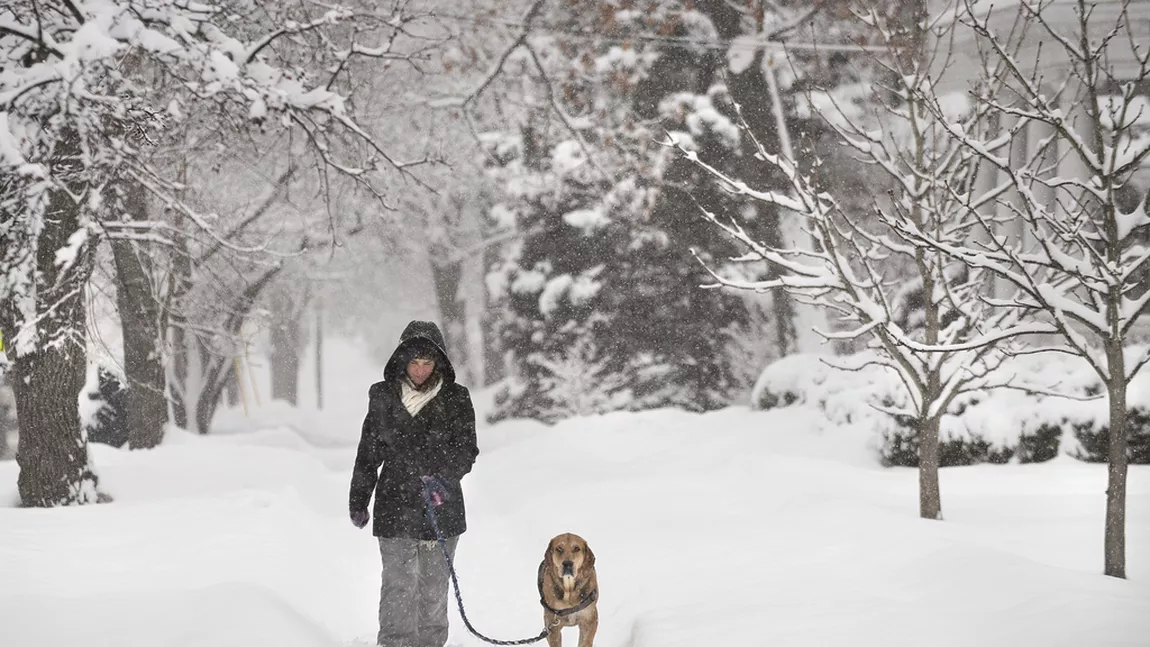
x,y
435,490
360,518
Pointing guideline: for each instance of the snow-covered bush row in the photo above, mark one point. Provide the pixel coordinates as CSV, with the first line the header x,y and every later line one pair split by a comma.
x,y
1026,420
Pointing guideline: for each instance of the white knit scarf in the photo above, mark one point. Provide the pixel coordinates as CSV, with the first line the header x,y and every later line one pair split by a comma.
x,y
414,399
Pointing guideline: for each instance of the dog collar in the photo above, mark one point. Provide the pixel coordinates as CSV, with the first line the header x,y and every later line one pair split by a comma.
x,y
588,601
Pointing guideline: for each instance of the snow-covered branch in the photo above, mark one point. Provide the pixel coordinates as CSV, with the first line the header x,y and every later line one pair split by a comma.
x,y
923,311
1080,255
467,102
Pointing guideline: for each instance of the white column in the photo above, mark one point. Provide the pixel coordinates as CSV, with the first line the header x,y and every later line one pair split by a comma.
x,y
1070,162
988,178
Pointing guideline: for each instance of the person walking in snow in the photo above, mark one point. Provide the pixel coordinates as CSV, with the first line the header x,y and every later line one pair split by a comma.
x,y
420,426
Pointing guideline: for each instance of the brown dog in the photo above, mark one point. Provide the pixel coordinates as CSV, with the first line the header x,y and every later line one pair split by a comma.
x,y
569,589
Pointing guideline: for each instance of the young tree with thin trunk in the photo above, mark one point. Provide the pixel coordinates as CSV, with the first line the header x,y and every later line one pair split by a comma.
x,y
1071,78
904,300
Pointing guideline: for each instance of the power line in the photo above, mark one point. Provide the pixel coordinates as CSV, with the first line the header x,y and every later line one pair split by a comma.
x,y
707,43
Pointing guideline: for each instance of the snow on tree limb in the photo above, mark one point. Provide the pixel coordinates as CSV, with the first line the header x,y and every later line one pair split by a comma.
x,y
848,271
183,39
1083,256
467,102
93,94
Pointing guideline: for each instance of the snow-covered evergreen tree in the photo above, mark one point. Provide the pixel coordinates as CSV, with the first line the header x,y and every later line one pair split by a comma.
x,y
601,264
596,203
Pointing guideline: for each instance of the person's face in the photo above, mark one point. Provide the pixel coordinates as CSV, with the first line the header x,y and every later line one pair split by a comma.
x,y
419,369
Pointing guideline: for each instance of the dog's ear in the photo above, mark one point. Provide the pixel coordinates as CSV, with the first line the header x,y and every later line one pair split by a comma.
x,y
590,555
547,553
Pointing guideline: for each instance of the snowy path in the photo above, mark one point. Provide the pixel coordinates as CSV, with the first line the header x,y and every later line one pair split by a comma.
x,y
733,529
703,537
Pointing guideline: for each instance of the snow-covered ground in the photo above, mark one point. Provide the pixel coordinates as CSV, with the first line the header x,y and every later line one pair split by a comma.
x,y
730,528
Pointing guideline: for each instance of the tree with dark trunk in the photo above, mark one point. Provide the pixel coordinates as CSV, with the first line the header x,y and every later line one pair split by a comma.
x,y
137,300
67,147
446,275
286,340
50,354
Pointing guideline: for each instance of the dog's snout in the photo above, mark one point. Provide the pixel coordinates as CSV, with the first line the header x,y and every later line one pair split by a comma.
x,y
568,567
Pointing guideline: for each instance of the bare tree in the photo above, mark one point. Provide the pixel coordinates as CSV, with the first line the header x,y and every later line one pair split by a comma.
x,y
1067,77
915,307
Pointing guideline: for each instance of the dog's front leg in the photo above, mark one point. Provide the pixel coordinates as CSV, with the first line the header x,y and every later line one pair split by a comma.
x,y
555,638
587,629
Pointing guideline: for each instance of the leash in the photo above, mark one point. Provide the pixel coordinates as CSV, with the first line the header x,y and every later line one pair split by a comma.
x,y
455,581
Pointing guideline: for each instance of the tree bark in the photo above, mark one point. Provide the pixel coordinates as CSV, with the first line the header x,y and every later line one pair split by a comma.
x,y
48,378
179,286
474,292
494,361
929,492
232,387
452,313
749,89
286,345
1115,540
53,454
215,376
147,405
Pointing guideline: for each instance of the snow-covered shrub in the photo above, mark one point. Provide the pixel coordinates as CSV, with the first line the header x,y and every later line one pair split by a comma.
x,y
809,379
1040,446
7,414
1026,423
1094,438
1083,423
105,416
900,448
961,440
1089,423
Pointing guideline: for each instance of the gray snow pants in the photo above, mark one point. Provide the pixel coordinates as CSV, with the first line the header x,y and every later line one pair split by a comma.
x,y
413,597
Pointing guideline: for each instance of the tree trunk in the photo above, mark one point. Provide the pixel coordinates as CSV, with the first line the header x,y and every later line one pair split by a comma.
x,y
1115,541
749,89
232,387
53,454
285,337
474,292
179,285
48,378
929,493
216,373
147,405
452,313
493,361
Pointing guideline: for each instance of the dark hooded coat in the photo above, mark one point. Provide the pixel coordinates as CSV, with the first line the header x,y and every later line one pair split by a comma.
x,y
439,441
